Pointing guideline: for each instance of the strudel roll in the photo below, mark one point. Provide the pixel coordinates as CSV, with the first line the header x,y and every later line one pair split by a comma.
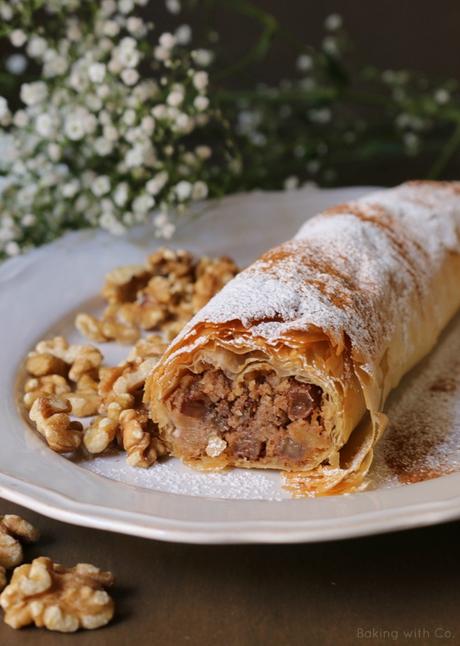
x,y
289,366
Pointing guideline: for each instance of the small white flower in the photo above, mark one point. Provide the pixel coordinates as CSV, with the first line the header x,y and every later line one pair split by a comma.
x,y
135,25
20,119
173,6
36,46
16,64
183,190
203,152
134,157
101,185
160,111
291,183
330,45
202,57
333,22
167,40
111,28
162,54
109,222
143,204
155,185
54,152
28,220
183,122
12,248
163,226
148,125
110,133
176,97
73,127
304,63
183,34
96,72
3,107
442,96
6,12
200,80
320,115
199,191
44,125
120,196
55,65
129,76
103,146
70,189
129,117
128,57
201,103
33,93
125,6
18,38
108,7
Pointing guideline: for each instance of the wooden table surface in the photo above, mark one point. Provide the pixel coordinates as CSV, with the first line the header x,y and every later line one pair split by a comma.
x,y
373,590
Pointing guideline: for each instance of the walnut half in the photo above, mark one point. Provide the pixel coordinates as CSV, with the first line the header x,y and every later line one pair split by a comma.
x,y
58,598
14,531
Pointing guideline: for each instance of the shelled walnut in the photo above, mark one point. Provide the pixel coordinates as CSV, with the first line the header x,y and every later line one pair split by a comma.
x,y
14,531
57,598
51,416
161,295
121,389
139,438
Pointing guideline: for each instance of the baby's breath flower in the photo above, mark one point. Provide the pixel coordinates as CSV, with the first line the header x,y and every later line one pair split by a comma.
x,y
183,34
201,102
44,125
183,190
33,93
101,185
304,63
96,72
202,57
129,76
199,191
333,22
3,107
200,80
442,96
173,6
291,183
18,38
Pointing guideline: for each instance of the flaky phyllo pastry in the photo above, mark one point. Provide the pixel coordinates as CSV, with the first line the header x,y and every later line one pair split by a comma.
x,y
289,366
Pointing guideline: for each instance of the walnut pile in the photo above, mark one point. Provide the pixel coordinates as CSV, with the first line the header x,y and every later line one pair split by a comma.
x,y
63,380
122,418
68,372
57,598
14,531
161,295
67,381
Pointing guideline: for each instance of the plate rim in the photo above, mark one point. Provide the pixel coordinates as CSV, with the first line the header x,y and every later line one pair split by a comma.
x,y
234,532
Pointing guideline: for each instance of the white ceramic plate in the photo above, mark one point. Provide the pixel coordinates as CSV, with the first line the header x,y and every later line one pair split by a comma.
x,y
39,296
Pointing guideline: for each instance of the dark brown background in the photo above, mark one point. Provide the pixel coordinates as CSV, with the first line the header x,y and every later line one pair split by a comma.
x,y
294,594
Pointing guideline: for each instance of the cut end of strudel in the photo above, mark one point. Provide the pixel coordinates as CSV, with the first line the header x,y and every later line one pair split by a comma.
x,y
289,366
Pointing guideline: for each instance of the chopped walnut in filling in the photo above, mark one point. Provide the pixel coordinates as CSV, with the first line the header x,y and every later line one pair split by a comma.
x,y
263,418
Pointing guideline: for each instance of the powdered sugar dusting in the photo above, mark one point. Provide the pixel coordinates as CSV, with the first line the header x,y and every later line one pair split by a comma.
x,y
423,438
352,270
